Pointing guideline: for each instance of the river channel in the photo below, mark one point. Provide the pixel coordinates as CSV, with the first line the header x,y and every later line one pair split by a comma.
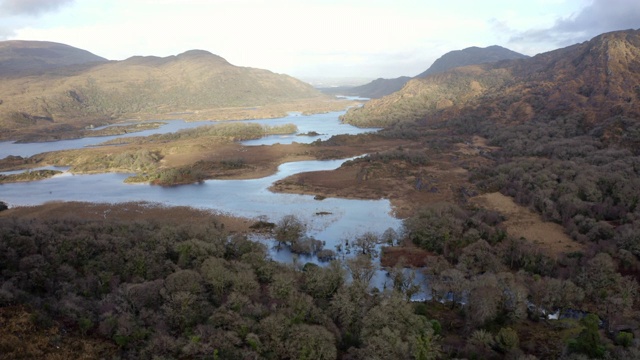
x,y
332,220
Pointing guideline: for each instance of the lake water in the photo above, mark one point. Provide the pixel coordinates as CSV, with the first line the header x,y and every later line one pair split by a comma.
x,y
326,125
245,198
342,219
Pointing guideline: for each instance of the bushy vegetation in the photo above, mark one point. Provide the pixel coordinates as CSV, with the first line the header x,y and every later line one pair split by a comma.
x,y
413,157
171,291
29,175
583,177
422,98
571,176
232,131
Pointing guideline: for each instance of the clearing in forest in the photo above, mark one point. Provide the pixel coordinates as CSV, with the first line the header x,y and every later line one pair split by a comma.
x,y
522,222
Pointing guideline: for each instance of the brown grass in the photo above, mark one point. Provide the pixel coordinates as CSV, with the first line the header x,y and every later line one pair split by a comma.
x,y
408,255
522,222
132,211
395,180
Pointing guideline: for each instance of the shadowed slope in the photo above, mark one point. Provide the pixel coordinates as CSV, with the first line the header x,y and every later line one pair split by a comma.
x,y
598,79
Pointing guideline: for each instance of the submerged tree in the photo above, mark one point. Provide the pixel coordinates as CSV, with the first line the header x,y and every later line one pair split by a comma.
x,y
289,230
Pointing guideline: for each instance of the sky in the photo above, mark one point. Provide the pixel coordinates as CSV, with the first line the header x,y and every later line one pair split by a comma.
x,y
315,40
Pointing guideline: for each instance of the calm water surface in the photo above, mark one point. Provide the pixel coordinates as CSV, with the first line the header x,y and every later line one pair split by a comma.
x,y
326,125
246,198
343,219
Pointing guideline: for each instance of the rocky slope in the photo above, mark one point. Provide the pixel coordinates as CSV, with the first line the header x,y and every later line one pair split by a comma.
x,y
597,79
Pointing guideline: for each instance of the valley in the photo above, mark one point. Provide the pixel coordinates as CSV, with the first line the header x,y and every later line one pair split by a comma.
x,y
488,210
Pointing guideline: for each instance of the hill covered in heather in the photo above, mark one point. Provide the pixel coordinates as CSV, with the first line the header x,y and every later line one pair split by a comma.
x,y
471,56
598,79
457,58
18,57
197,82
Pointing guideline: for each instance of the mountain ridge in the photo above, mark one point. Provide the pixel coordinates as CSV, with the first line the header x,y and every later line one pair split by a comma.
x,y
469,56
23,56
597,78
140,86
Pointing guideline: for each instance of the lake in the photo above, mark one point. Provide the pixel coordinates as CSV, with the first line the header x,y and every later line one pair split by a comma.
x,y
327,125
342,218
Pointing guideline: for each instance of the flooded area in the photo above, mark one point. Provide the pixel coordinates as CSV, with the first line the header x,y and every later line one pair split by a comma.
x,y
332,220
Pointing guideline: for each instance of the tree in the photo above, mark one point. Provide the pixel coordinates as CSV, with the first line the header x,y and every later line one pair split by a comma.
x,y
484,300
451,285
217,274
479,258
282,285
348,308
390,237
588,341
323,282
404,280
311,342
600,280
362,269
551,293
392,330
507,339
289,230
435,226
366,244
184,303
514,296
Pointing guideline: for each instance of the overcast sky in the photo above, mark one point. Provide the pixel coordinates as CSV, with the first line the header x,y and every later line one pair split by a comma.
x,y
315,38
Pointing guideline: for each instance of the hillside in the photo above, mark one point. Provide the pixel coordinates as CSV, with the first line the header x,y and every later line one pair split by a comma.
x,y
597,79
192,83
19,57
471,56
457,58
373,90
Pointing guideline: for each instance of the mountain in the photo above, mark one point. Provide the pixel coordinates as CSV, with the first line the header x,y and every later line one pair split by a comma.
x,y
373,90
19,57
469,56
141,86
597,79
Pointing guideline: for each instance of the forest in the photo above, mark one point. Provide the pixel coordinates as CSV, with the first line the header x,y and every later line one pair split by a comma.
x,y
152,290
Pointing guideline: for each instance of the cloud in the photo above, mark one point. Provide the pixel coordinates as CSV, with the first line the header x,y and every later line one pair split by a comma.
x,y
598,17
602,16
31,7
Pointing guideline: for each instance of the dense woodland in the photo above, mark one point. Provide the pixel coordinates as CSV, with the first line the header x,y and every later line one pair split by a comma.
x,y
194,292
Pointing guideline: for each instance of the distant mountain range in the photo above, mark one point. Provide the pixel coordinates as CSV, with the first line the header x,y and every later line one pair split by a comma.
x,y
469,56
598,79
44,83
18,57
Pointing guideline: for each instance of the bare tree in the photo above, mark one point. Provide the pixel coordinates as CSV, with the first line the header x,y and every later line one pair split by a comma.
x,y
289,230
